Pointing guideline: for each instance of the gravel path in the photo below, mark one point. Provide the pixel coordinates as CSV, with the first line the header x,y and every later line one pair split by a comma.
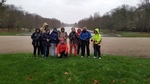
x,y
139,47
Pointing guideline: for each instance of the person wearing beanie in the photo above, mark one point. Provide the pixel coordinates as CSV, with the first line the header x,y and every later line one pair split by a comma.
x,y
36,38
73,40
54,41
62,48
96,39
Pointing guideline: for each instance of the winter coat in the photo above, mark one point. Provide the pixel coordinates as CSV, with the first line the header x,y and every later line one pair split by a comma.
x,y
42,29
73,37
85,36
36,38
62,47
46,36
63,35
54,37
97,37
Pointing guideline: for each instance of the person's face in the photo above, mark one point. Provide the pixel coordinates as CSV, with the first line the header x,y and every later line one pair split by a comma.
x,y
79,31
73,30
37,30
95,32
46,26
48,31
84,28
62,30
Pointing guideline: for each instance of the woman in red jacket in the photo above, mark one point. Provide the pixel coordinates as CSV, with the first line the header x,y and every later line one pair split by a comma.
x,y
62,48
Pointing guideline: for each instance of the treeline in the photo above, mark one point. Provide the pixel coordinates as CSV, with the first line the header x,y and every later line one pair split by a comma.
x,y
14,18
122,18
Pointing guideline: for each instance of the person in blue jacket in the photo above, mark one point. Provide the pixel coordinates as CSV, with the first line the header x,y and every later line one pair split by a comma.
x,y
54,41
46,42
85,41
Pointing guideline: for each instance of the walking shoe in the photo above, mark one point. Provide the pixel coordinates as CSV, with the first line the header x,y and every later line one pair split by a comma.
x,y
88,56
94,57
81,56
99,58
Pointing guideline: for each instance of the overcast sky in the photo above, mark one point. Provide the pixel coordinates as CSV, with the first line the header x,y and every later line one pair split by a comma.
x,y
69,11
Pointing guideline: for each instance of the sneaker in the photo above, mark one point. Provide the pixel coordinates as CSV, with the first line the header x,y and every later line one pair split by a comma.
x,y
88,56
94,57
99,58
81,56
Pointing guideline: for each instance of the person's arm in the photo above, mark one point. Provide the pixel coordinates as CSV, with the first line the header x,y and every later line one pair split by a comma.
x,y
89,35
33,37
66,35
81,36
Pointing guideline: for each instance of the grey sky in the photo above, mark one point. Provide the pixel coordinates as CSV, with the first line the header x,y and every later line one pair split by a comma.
x,y
69,11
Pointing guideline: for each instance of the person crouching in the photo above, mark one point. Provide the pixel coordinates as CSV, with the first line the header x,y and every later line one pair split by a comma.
x,y
62,48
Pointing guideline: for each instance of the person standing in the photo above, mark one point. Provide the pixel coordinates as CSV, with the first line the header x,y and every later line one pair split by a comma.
x,y
63,34
96,39
46,42
62,48
85,41
36,38
79,41
43,30
54,42
73,40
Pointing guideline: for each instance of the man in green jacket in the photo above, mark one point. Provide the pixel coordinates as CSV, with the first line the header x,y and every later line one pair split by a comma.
x,y
96,39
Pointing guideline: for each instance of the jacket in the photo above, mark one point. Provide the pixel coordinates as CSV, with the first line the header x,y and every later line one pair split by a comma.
x,y
63,35
73,37
54,37
85,35
62,47
36,38
97,37
46,36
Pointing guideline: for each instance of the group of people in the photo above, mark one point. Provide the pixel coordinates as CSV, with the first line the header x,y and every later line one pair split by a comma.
x,y
55,43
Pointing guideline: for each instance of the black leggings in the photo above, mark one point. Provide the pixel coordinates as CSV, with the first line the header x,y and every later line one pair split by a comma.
x,y
85,44
97,50
35,49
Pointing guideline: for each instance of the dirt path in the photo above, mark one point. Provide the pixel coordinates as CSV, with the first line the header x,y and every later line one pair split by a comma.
x,y
111,45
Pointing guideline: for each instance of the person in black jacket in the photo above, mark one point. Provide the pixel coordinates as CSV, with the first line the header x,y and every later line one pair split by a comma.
x,y
36,37
46,42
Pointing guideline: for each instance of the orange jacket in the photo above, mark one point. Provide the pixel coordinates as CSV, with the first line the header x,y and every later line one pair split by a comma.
x,y
61,48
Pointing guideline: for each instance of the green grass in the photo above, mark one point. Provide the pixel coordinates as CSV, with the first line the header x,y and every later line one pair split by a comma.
x,y
25,69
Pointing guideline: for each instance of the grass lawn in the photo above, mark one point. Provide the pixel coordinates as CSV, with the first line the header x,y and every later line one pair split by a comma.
x,y
25,69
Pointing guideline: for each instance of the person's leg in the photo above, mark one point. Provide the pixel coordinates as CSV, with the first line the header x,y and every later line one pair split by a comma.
x,y
99,50
75,49
34,51
47,53
71,45
87,49
78,49
52,49
95,53
39,50
42,48
82,49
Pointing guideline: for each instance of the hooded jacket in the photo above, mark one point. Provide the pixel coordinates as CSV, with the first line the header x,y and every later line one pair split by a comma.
x,y
36,38
97,37
42,29
73,37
